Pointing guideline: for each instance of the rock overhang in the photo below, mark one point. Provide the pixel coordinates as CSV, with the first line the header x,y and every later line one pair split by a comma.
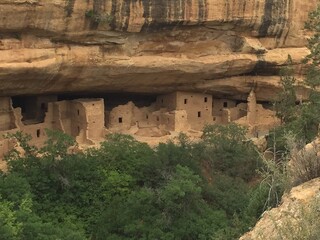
x,y
150,47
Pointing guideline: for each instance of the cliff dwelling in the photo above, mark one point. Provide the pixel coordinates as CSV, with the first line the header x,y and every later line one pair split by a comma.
x,y
184,65
89,119
152,69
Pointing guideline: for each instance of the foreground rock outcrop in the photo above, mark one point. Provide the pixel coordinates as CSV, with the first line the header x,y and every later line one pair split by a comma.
x,y
296,218
149,46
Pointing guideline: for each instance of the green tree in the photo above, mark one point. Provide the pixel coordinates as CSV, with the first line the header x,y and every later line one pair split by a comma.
x,y
9,227
127,190
176,210
230,152
311,110
285,105
303,119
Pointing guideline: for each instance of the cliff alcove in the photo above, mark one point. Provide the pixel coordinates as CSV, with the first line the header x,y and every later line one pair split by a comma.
x,y
57,56
219,47
94,96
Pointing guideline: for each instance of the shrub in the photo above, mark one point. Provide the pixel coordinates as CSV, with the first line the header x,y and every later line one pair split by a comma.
x,y
304,163
274,181
99,17
229,151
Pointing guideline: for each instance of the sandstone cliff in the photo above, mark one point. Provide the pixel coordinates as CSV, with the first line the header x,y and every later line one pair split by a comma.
x,y
296,218
221,47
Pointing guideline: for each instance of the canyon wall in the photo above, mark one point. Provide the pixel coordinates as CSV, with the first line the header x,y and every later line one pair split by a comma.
x,y
296,217
220,47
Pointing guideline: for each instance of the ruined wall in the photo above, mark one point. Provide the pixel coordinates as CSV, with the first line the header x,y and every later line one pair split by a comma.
x,y
167,120
78,118
168,101
42,105
82,118
265,120
72,117
121,117
6,145
181,121
10,121
225,116
252,108
219,104
13,123
198,107
62,117
90,117
125,116
7,120
37,132
144,116
234,113
4,148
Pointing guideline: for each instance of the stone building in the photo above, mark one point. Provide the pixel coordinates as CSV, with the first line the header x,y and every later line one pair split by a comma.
x,y
258,119
221,110
7,117
123,117
80,118
88,121
198,107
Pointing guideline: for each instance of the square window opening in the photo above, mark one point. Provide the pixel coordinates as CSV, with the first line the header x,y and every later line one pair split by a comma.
x,y
44,107
185,101
225,104
120,119
205,99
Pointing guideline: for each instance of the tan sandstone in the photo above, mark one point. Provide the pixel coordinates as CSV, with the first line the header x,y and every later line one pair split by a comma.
x,y
158,46
296,208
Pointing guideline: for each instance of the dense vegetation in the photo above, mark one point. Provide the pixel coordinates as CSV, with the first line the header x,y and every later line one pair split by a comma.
x,y
300,118
127,190
208,189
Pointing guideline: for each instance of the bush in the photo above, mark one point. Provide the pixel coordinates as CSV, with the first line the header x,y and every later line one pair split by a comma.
x,y
99,17
274,182
127,190
304,163
230,152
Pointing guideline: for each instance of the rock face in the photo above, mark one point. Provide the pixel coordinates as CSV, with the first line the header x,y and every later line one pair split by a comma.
x,y
296,218
221,47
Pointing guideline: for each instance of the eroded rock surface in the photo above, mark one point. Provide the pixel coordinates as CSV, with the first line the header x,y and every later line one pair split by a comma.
x,y
149,46
296,218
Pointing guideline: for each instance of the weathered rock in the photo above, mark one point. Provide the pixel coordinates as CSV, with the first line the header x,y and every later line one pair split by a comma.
x,y
296,218
149,46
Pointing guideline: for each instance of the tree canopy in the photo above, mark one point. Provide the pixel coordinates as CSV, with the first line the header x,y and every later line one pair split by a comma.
x,y
127,190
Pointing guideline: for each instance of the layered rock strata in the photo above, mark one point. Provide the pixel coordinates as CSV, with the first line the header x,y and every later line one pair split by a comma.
x,y
220,47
